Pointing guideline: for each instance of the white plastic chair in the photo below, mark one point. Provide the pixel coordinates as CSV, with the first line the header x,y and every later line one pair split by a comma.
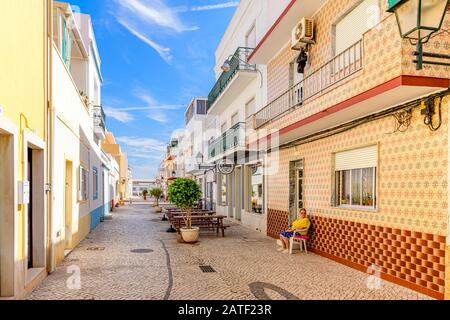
x,y
300,240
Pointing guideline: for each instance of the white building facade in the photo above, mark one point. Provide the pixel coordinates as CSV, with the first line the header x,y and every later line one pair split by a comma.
x,y
80,171
239,88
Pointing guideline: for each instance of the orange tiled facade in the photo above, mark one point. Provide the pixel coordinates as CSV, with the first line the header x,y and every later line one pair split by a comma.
x,y
412,194
386,57
406,236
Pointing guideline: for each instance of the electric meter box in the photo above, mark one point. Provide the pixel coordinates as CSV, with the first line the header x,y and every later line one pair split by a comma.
x,y
24,192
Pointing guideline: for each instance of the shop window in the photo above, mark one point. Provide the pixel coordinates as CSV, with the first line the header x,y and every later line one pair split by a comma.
x,y
223,191
256,189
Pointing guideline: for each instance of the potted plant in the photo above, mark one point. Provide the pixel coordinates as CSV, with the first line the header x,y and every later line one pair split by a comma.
x,y
156,193
184,193
85,98
144,194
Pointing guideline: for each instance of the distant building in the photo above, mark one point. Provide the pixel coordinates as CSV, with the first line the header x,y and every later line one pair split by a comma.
x,y
139,185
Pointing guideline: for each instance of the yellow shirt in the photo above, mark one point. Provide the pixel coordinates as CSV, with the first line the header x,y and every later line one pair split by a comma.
x,y
301,224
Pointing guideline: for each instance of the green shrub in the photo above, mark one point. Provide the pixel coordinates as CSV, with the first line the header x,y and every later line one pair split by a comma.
x,y
156,193
184,193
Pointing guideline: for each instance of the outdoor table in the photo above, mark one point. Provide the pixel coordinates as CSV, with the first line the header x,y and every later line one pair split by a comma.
x,y
203,222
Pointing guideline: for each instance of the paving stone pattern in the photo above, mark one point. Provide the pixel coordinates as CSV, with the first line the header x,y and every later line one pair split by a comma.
x,y
247,266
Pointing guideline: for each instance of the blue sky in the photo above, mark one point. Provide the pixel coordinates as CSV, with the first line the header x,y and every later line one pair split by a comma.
x,y
156,55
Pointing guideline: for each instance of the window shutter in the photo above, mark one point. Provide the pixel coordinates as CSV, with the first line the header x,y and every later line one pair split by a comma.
x,y
351,28
357,159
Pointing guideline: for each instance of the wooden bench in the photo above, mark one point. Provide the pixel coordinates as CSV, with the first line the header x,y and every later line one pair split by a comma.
x,y
173,214
208,222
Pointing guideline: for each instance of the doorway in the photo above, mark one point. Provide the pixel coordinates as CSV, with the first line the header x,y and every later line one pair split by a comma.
x,y
299,188
33,201
209,195
106,192
30,223
238,196
231,194
68,205
7,213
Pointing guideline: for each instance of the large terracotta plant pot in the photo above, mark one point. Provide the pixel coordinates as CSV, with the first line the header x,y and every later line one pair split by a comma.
x,y
158,209
190,235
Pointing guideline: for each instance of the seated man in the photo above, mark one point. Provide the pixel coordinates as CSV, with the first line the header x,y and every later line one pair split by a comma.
x,y
301,223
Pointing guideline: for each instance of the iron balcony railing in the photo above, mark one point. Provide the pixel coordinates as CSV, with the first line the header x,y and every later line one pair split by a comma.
x,y
337,69
99,117
231,139
238,62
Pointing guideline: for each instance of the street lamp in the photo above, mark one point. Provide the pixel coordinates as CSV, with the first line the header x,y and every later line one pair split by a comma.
x,y
199,158
417,21
226,67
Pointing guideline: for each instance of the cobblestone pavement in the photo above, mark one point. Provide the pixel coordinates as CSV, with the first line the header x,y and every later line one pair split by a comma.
x,y
247,266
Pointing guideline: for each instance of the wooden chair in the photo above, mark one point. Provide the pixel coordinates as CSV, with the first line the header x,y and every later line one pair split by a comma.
x,y
300,240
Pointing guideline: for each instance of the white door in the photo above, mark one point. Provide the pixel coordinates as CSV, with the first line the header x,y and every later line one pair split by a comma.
x,y
299,187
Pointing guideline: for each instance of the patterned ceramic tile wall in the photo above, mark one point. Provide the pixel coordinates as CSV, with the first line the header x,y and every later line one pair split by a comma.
x,y
412,198
386,57
447,273
412,174
413,259
413,166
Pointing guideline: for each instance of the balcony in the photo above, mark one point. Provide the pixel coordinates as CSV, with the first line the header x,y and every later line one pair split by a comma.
x,y
239,76
99,121
372,75
337,69
112,149
229,142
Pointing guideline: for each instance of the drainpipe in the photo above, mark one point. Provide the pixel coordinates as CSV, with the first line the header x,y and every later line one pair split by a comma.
x,y
50,138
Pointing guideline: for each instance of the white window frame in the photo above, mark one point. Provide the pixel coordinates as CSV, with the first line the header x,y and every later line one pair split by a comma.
x,y
360,158
248,198
83,178
352,206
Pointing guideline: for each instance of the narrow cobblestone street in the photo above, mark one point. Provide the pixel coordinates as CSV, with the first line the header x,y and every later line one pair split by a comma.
x,y
247,266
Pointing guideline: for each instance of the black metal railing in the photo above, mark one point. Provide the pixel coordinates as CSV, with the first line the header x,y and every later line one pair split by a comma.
x,y
337,69
238,62
231,139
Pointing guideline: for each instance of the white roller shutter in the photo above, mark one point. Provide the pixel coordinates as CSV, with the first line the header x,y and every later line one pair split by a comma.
x,y
357,159
351,28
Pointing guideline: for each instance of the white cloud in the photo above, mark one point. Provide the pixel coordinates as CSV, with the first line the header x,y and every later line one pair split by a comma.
x,y
156,107
229,4
224,5
151,102
158,116
144,171
119,115
144,154
155,12
143,144
162,51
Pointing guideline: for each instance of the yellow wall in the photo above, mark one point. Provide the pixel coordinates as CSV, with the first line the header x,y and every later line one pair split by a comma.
x,y
22,76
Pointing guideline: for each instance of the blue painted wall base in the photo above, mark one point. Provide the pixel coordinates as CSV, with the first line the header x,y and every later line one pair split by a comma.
x,y
96,216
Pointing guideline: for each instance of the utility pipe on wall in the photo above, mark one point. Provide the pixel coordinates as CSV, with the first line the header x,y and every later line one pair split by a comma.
x,y
49,135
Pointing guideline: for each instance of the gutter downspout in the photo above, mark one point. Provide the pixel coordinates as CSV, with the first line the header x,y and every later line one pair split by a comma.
x,y
50,137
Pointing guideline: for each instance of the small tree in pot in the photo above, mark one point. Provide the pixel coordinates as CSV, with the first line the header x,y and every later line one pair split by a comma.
x,y
184,193
157,193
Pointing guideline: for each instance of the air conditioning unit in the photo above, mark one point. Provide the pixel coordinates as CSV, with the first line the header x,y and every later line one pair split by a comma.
x,y
302,34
